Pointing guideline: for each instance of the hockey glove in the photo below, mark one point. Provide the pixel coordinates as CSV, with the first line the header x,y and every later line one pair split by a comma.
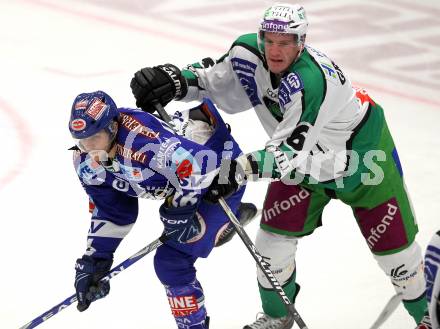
x,y
89,272
229,179
161,83
181,223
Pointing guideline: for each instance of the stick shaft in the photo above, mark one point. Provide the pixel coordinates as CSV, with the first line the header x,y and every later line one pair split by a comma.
x,y
113,272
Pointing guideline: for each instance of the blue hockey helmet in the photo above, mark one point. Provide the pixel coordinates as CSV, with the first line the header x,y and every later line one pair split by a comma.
x,y
91,112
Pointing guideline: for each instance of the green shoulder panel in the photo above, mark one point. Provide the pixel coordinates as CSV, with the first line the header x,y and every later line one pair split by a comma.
x,y
314,86
248,41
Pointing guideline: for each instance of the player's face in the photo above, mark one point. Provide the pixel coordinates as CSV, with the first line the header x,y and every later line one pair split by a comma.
x,y
281,50
97,142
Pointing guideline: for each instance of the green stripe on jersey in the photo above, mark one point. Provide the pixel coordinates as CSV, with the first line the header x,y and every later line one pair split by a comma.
x,y
314,86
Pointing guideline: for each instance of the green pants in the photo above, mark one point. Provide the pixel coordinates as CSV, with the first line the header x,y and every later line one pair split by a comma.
x,y
382,210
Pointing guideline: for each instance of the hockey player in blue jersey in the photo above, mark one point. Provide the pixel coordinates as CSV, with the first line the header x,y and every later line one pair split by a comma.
x,y
124,154
431,320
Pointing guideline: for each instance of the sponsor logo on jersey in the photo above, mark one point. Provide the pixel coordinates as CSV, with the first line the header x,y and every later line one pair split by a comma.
x,y
293,83
131,154
382,226
273,94
290,85
96,109
187,170
363,96
132,173
333,71
130,123
184,169
245,71
329,70
78,124
283,206
316,52
183,305
89,169
166,151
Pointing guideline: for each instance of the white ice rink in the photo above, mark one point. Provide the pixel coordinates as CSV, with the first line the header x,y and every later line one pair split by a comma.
x,y
51,50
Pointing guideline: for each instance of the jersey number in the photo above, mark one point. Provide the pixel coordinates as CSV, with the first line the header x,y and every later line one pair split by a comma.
x,y
120,185
340,74
298,137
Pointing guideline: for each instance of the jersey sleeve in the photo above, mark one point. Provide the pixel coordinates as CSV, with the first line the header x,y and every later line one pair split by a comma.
x,y
300,98
113,212
215,79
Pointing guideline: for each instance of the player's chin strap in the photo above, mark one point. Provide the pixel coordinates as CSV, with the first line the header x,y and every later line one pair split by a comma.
x,y
262,264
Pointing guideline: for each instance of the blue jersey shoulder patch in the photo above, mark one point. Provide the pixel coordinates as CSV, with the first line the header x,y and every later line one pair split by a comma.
x,y
245,71
90,172
289,85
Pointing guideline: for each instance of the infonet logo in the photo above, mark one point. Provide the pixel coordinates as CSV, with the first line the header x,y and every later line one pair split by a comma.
x,y
274,26
281,206
377,232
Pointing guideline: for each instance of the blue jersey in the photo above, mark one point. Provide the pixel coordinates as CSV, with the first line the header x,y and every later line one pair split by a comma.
x,y
151,162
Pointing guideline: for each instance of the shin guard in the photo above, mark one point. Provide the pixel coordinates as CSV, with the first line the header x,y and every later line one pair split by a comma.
x,y
187,305
278,251
405,269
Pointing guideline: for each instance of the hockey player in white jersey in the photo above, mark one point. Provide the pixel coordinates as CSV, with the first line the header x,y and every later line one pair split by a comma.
x,y
327,140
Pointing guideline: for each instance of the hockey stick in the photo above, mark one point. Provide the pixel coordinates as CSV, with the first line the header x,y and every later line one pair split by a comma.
x,y
113,272
389,308
263,265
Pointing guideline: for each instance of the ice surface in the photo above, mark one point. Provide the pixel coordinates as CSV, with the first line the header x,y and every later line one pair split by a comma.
x,y
53,50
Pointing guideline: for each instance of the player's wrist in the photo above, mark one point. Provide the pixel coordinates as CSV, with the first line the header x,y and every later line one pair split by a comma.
x,y
248,166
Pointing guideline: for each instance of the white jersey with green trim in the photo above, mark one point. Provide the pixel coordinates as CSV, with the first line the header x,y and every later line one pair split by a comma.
x,y
310,115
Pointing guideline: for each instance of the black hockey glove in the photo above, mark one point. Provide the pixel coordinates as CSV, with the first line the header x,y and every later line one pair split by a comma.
x,y
229,179
181,223
89,272
161,83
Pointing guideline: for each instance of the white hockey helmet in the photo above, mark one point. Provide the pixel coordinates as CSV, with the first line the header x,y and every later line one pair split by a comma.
x,y
283,18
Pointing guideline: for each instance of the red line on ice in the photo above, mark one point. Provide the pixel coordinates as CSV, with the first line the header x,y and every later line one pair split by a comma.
x,y
24,141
